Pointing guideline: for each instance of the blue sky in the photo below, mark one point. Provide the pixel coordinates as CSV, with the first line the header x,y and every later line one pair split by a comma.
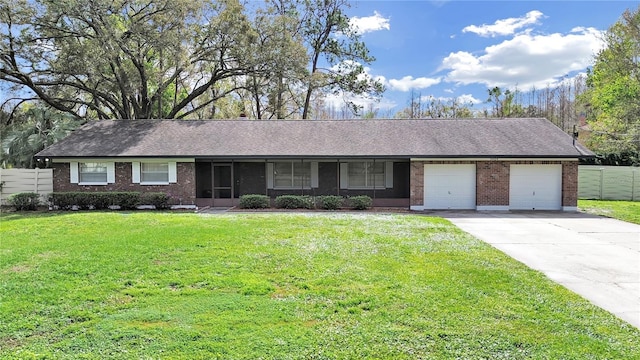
x,y
459,49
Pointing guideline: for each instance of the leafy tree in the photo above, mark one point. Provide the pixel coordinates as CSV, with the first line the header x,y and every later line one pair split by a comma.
x,y
308,49
461,110
495,95
430,107
275,86
129,59
327,33
504,103
613,89
35,129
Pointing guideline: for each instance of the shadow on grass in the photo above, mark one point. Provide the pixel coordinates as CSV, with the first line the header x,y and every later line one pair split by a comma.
x,y
9,215
40,214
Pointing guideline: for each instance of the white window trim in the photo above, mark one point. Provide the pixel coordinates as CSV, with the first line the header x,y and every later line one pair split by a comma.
x,y
136,173
74,175
313,181
388,176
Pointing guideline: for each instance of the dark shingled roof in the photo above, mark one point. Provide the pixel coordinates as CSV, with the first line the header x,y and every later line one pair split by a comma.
x,y
318,138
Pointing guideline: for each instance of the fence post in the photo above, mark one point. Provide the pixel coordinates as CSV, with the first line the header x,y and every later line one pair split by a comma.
x,y
633,185
35,182
601,183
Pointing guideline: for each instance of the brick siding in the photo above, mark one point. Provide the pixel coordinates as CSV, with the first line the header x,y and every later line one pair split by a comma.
x,y
183,191
570,184
416,185
492,183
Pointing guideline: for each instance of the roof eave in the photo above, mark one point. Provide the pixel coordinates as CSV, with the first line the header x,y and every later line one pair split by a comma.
x,y
327,156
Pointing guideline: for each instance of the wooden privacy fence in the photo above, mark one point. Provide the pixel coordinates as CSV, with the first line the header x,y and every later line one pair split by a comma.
x,y
25,180
609,182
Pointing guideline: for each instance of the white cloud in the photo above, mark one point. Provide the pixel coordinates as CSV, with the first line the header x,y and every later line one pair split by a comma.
x,y
338,101
525,60
468,99
408,82
505,26
366,24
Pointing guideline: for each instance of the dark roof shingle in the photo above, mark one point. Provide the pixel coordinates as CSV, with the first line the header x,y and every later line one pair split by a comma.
x,y
318,138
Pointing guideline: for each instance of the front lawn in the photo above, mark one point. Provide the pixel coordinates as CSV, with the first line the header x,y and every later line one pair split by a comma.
x,y
281,286
617,209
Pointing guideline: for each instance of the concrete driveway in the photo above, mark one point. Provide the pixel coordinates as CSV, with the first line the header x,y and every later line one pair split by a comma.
x,y
596,257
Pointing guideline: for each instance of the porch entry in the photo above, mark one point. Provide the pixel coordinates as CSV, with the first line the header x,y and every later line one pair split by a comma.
x,y
214,185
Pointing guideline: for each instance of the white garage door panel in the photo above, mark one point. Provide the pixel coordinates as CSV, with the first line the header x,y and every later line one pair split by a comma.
x,y
449,186
535,187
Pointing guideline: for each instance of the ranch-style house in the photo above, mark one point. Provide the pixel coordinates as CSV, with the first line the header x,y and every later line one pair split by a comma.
x,y
478,164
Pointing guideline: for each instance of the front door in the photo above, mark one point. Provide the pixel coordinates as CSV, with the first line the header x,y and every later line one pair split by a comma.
x,y
214,186
222,185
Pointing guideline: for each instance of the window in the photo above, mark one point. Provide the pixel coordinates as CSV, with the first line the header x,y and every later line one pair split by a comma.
x,y
366,175
291,175
154,172
93,172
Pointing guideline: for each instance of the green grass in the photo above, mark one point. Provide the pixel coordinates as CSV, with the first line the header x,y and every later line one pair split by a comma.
x,y
281,286
617,209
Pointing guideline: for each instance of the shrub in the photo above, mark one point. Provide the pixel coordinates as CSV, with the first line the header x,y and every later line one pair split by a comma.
x,y
65,200
97,200
254,201
158,199
329,202
294,202
83,200
126,200
24,201
60,200
360,202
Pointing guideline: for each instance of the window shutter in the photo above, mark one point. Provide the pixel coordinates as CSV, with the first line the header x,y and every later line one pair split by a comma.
x,y
269,175
73,168
388,174
314,174
111,173
344,175
135,172
173,172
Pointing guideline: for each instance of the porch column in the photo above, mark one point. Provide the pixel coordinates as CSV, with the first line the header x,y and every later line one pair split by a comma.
x,y
416,183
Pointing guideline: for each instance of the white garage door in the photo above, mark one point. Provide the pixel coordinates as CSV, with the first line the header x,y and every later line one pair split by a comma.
x,y
535,187
450,186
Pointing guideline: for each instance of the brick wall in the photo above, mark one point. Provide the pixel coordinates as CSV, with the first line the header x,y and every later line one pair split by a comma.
x,y
492,183
416,185
570,184
183,191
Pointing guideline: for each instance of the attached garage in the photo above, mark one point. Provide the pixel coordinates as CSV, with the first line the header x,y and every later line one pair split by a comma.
x,y
535,187
449,186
